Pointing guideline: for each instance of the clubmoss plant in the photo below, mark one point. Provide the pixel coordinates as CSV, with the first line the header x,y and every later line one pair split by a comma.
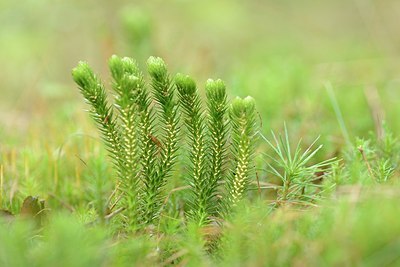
x,y
102,113
127,80
141,131
207,138
194,122
218,129
167,144
242,115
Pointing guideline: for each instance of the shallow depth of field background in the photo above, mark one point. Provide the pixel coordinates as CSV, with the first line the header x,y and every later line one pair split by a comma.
x,y
281,52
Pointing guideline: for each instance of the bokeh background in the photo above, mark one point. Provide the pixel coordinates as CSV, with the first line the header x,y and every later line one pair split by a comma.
x,y
284,53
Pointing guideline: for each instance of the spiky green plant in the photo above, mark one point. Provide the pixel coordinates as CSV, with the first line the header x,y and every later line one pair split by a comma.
x,y
218,131
127,80
376,159
102,113
167,143
298,174
141,162
194,122
243,119
142,137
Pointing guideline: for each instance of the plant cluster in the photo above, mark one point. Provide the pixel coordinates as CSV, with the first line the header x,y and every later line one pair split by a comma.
x,y
301,179
143,127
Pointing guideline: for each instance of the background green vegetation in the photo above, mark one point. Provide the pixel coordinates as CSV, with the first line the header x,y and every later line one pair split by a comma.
x,y
283,53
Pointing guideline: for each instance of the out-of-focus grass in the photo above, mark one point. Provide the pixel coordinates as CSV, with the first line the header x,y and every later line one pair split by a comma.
x,y
356,233
355,230
281,52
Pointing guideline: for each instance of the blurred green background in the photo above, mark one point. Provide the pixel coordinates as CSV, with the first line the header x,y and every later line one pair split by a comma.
x,y
281,52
